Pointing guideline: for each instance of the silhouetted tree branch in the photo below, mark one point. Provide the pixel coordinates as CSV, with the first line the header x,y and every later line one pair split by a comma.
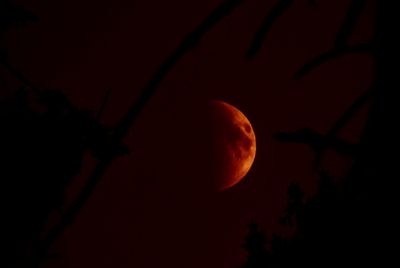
x,y
18,75
191,40
343,120
126,122
103,104
312,3
255,245
350,22
352,224
295,201
73,211
349,113
279,9
331,55
12,15
317,141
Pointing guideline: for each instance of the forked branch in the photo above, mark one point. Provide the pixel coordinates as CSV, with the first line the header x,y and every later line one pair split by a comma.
x,y
127,121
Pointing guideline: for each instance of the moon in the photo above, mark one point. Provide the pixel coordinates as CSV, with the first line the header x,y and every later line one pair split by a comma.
x,y
234,143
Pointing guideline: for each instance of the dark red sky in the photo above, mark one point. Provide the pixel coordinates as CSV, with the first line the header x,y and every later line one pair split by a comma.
x,y
148,212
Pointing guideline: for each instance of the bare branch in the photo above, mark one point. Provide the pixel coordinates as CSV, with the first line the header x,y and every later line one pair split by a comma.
x,y
331,55
279,9
103,104
191,40
350,112
126,122
19,76
12,15
317,141
343,120
350,22
73,211
312,3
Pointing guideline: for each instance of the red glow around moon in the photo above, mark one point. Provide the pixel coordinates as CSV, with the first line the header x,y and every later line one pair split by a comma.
x,y
235,144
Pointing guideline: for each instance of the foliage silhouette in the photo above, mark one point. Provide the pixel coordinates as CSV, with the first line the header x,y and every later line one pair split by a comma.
x,y
295,202
43,140
43,150
333,225
330,231
351,224
104,143
255,245
41,153
12,15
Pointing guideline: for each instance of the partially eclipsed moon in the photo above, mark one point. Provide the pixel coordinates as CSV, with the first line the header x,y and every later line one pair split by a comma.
x,y
235,144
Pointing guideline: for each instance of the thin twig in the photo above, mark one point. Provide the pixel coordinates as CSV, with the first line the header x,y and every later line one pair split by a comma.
x,y
20,77
343,120
350,112
350,22
331,55
73,211
103,105
317,141
279,9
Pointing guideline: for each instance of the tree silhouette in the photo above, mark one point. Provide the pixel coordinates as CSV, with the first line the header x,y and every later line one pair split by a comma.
x,y
123,126
103,142
255,245
12,15
43,140
332,226
294,205
351,225
42,152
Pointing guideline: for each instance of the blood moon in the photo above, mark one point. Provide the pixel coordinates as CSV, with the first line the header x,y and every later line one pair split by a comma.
x,y
234,144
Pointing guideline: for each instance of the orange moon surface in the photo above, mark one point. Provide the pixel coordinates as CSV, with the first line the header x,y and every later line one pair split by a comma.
x,y
234,144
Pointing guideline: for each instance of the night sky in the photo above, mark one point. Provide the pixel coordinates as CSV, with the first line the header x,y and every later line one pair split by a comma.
x,y
151,209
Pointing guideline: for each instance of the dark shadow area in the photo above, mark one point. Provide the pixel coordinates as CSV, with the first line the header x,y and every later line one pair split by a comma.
x,y
332,230
43,140
41,153
351,224
44,137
